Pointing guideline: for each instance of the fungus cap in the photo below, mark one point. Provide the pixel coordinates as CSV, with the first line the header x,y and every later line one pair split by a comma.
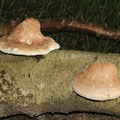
x,y
98,82
27,39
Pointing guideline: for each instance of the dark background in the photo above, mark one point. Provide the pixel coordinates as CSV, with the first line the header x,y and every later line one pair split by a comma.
x,y
101,12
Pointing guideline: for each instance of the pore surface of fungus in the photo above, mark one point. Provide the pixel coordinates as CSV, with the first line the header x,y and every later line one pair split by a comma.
x,y
27,39
98,82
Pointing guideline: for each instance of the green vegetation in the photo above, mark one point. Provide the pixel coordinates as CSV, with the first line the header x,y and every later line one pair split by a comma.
x,y
102,12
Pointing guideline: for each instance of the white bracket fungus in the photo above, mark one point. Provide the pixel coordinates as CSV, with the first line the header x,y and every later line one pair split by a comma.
x,y
98,82
27,39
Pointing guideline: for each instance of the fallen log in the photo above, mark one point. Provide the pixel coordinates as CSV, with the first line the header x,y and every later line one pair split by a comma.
x,y
37,85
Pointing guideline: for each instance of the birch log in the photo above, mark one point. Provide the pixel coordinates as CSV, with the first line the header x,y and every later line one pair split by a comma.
x,y
36,85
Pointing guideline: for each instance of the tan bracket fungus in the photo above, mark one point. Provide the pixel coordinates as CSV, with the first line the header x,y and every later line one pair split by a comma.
x,y
27,39
98,82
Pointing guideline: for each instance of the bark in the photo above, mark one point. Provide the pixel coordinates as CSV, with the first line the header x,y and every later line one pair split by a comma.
x,y
37,85
64,24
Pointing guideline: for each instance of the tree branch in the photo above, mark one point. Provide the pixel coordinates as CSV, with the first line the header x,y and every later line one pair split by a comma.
x,y
64,24
36,85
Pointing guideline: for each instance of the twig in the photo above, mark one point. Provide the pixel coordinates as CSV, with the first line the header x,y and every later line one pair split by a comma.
x,y
64,24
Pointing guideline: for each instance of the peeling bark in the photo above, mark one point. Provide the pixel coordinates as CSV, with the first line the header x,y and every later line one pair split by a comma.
x,y
64,24
36,85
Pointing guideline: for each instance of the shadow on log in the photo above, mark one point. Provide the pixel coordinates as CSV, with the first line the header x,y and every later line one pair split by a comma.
x,y
36,85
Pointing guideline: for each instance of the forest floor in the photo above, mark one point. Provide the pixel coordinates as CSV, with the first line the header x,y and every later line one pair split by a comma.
x,y
105,13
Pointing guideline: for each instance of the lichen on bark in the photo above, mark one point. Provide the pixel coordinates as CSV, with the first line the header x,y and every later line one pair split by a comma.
x,y
36,85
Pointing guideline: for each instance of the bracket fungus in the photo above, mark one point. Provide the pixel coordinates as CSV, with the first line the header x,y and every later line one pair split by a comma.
x,y
98,82
27,39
